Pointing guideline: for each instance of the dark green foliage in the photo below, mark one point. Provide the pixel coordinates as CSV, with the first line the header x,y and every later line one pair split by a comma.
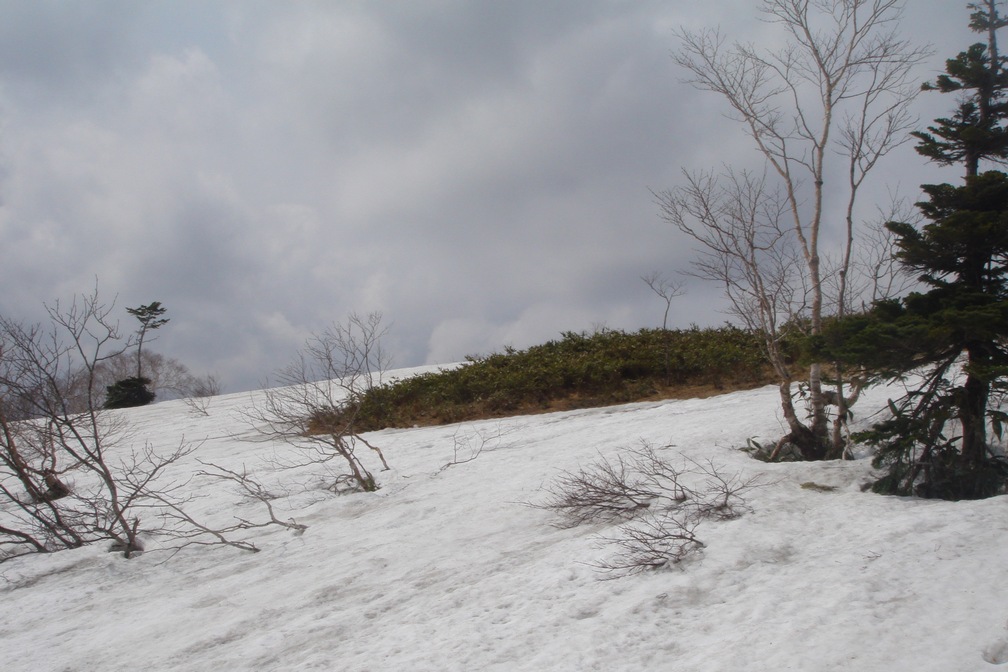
x,y
923,458
129,392
954,333
868,341
978,76
936,444
965,242
972,133
149,315
150,319
579,370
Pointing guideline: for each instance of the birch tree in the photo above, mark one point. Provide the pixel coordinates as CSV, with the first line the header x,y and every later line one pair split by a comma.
x,y
822,110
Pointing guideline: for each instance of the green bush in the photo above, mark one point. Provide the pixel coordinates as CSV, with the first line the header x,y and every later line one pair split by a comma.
x,y
129,392
578,370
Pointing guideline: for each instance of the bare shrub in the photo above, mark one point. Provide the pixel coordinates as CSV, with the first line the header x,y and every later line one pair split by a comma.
x,y
316,404
658,504
653,542
605,491
721,495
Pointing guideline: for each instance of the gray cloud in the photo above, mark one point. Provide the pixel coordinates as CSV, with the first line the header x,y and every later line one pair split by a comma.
x,y
478,171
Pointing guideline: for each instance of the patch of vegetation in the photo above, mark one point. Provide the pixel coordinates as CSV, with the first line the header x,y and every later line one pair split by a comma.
x,y
129,392
818,487
577,371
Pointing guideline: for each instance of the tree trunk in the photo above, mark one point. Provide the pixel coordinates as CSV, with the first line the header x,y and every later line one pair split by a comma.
x,y
17,463
799,436
973,415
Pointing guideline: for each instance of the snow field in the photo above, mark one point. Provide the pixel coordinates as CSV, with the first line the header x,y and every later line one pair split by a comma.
x,y
450,569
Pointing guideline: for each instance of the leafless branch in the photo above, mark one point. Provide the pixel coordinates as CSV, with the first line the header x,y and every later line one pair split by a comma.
x,y
184,530
467,446
315,406
199,394
655,541
251,488
605,491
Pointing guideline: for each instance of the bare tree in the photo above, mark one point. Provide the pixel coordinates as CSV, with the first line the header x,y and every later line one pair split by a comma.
x,y
68,475
666,289
827,106
169,378
874,273
207,386
61,439
316,403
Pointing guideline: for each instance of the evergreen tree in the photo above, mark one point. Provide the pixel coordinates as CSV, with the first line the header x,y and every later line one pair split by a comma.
x,y
150,319
976,131
135,390
129,392
936,443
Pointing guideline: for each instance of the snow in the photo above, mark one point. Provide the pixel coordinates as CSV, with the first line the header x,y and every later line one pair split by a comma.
x,y
449,568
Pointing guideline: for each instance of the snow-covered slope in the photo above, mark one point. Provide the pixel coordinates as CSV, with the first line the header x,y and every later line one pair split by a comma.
x,y
450,569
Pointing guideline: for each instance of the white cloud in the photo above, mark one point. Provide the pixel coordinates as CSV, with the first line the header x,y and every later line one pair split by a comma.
x,y
477,171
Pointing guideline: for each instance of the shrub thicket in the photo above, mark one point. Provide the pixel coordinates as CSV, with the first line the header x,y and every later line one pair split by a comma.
x,y
577,371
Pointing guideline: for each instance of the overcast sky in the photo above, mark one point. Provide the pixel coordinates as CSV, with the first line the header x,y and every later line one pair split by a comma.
x,y
479,171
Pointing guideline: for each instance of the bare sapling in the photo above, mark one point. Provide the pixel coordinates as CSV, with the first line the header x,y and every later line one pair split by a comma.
x,y
200,392
666,289
316,402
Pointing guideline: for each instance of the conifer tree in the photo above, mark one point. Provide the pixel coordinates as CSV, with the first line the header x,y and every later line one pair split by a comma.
x,y
936,444
129,392
150,319
135,391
